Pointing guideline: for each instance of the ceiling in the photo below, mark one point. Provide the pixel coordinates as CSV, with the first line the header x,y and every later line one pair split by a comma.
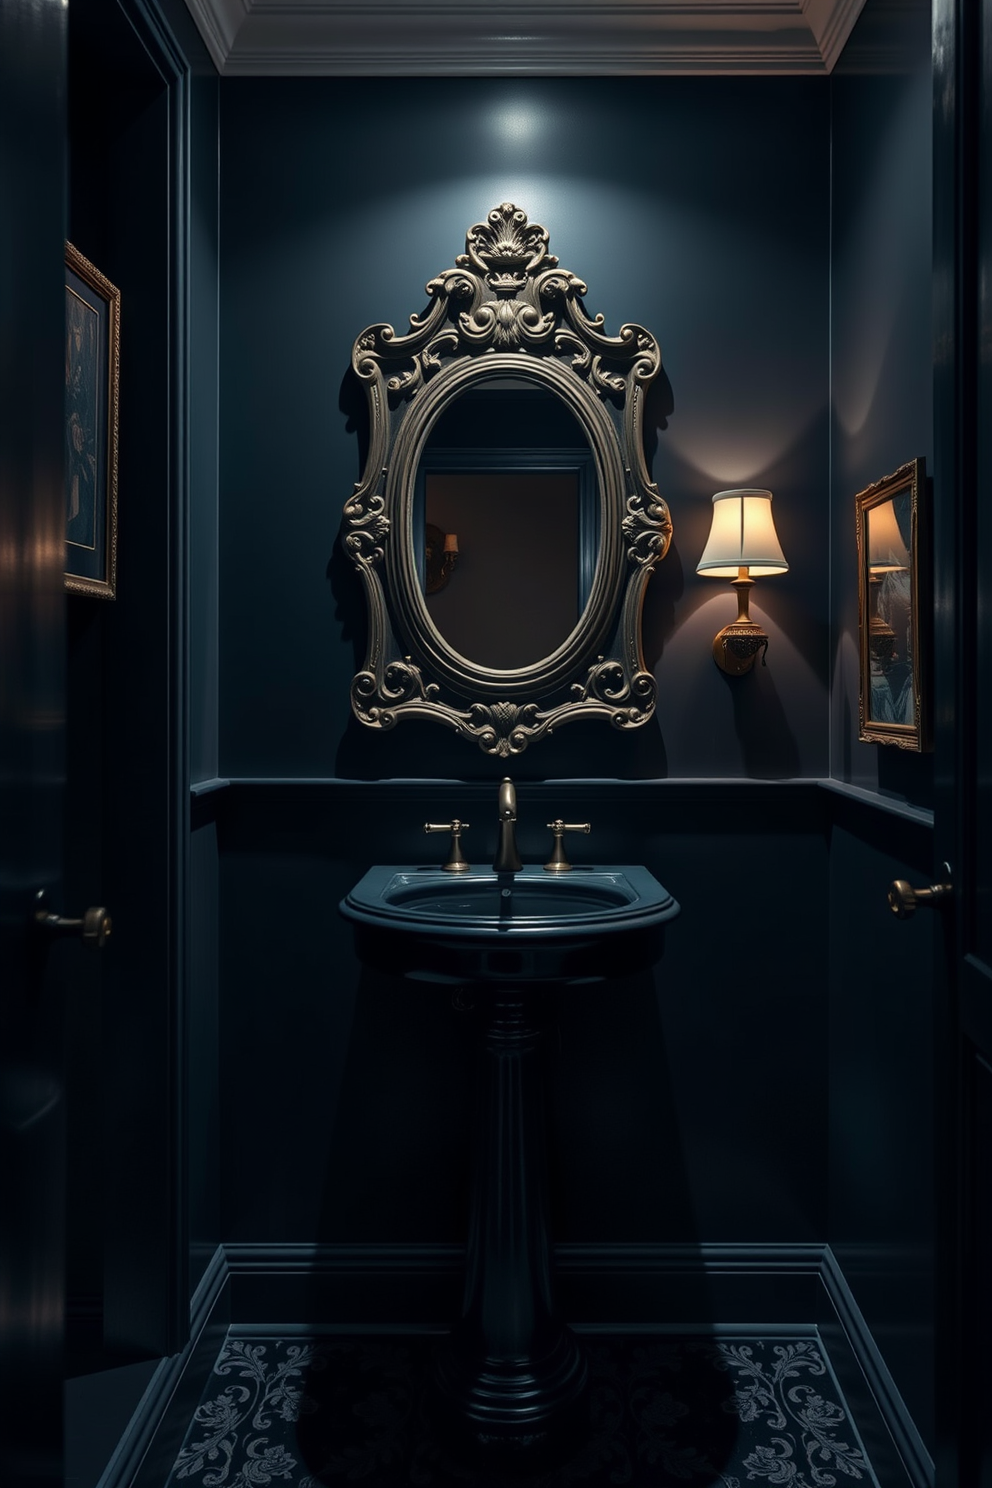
x,y
523,38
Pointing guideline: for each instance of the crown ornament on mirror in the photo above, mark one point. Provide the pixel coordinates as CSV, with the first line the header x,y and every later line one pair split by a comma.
x,y
506,248
505,309
508,293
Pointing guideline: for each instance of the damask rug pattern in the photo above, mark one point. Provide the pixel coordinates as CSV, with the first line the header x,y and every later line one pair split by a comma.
x,y
662,1413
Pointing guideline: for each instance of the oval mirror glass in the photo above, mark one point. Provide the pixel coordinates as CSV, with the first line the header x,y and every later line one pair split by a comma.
x,y
506,480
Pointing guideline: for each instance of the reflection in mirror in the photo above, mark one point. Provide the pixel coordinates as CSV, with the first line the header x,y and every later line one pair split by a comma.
x,y
510,606
889,544
890,641
440,557
507,506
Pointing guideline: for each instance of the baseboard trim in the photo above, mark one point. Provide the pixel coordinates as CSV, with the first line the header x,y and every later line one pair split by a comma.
x,y
714,1259
727,1289
246,1259
600,1285
906,1440
354,1286
173,1391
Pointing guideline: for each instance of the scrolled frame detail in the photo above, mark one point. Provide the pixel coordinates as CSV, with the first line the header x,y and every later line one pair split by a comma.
x,y
505,308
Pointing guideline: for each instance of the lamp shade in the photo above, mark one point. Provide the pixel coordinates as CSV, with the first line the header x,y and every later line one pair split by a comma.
x,y
887,553
742,536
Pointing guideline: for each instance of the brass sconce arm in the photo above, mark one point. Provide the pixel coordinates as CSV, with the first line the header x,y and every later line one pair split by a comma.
x,y
737,645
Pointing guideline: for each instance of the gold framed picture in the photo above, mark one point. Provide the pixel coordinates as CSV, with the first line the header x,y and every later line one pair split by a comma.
x,y
92,384
894,610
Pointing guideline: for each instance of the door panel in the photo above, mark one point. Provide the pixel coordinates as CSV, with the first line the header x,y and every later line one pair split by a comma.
x,y
963,654
32,527
128,185
978,922
976,1464
974,847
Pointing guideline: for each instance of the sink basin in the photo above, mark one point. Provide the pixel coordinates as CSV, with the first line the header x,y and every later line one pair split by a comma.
x,y
580,926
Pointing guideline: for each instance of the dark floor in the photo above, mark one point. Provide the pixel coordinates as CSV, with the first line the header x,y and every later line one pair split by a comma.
x,y
660,1410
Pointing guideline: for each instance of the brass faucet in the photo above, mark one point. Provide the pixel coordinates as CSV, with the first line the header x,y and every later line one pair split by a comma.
x,y
507,858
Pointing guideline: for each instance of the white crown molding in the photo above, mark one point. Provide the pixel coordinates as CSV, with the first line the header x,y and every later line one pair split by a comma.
x,y
831,22
219,22
475,38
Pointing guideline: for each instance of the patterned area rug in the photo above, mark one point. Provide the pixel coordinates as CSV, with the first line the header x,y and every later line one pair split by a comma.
x,y
690,1412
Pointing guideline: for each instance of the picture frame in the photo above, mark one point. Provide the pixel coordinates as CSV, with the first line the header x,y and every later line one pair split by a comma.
x,y
92,389
895,609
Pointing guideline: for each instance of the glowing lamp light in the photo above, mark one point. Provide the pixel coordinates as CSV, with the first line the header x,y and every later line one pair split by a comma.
x,y
742,543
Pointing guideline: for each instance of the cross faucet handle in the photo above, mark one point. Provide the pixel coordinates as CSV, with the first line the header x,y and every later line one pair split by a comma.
x,y
456,863
558,863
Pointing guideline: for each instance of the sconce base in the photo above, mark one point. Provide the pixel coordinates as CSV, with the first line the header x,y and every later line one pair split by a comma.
x,y
736,647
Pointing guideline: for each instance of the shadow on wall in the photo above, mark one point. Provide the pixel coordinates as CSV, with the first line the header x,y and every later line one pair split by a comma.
x,y
665,590
406,1090
589,749
768,747
659,405
409,1086
616,1168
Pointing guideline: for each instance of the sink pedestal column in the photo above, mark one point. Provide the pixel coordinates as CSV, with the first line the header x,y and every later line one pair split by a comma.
x,y
513,1373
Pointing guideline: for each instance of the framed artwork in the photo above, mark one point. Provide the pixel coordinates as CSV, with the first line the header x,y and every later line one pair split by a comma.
x,y
92,378
894,609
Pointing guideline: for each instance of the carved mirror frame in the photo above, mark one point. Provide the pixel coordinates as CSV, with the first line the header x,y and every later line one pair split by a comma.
x,y
505,310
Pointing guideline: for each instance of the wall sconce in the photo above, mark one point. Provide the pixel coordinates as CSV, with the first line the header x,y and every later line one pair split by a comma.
x,y
742,542
887,553
442,555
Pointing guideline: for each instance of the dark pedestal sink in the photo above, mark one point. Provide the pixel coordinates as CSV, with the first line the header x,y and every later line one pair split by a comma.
x,y
531,926
511,1373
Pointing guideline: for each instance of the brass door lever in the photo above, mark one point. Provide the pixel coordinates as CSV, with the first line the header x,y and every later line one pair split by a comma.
x,y
904,900
93,929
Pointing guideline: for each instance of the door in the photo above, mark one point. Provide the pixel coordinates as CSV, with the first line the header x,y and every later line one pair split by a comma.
x,y
32,527
963,735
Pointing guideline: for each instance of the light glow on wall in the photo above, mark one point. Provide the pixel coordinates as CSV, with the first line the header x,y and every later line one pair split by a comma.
x,y
517,122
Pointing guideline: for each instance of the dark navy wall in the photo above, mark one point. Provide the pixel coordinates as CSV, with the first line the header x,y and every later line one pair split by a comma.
x,y
881,986
700,208
695,206
881,379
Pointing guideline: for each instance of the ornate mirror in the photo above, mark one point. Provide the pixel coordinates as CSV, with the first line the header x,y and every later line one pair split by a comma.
x,y
506,525
893,609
